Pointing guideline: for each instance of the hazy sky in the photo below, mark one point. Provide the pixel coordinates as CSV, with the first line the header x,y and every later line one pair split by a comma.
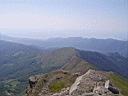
x,y
43,19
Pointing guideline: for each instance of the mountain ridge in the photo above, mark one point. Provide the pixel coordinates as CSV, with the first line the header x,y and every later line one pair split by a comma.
x,y
90,44
23,61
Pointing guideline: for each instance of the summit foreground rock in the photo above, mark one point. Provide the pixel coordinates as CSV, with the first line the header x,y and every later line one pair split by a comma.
x,y
92,83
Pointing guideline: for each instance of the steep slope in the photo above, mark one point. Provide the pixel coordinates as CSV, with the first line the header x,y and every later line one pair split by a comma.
x,y
14,58
16,65
106,63
57,57
120,82
78,65
78,59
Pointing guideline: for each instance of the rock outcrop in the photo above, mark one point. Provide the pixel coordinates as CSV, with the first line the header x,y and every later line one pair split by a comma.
x,y
111,87
33,81
50,83
92,83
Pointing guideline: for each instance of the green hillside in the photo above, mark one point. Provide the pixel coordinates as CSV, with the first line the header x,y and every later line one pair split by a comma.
x,y
106,62
120,82
78,65
16,65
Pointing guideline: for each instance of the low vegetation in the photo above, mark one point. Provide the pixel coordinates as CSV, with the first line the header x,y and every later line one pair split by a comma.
x,y
53,82
120,82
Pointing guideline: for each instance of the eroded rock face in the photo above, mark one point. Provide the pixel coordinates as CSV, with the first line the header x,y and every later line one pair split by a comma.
x,y
33,81
111,87
91,84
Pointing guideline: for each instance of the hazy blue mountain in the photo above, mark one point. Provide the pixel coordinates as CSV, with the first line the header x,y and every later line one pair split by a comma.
x,y
92,44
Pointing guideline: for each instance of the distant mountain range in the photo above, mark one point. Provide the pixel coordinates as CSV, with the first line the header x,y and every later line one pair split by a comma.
x,y
18,62
92,44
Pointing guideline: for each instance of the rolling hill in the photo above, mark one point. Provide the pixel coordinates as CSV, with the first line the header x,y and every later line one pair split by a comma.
x,y
18,62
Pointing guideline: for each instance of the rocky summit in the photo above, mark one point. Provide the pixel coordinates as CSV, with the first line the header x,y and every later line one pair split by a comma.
x,y
64,83
92,83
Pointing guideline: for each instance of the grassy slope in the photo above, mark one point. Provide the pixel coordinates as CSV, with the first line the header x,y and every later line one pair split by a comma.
x,y
14,59
106,63
120,82
57,57
78,65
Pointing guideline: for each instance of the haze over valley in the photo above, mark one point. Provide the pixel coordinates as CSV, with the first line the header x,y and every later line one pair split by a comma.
x,y
66,18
